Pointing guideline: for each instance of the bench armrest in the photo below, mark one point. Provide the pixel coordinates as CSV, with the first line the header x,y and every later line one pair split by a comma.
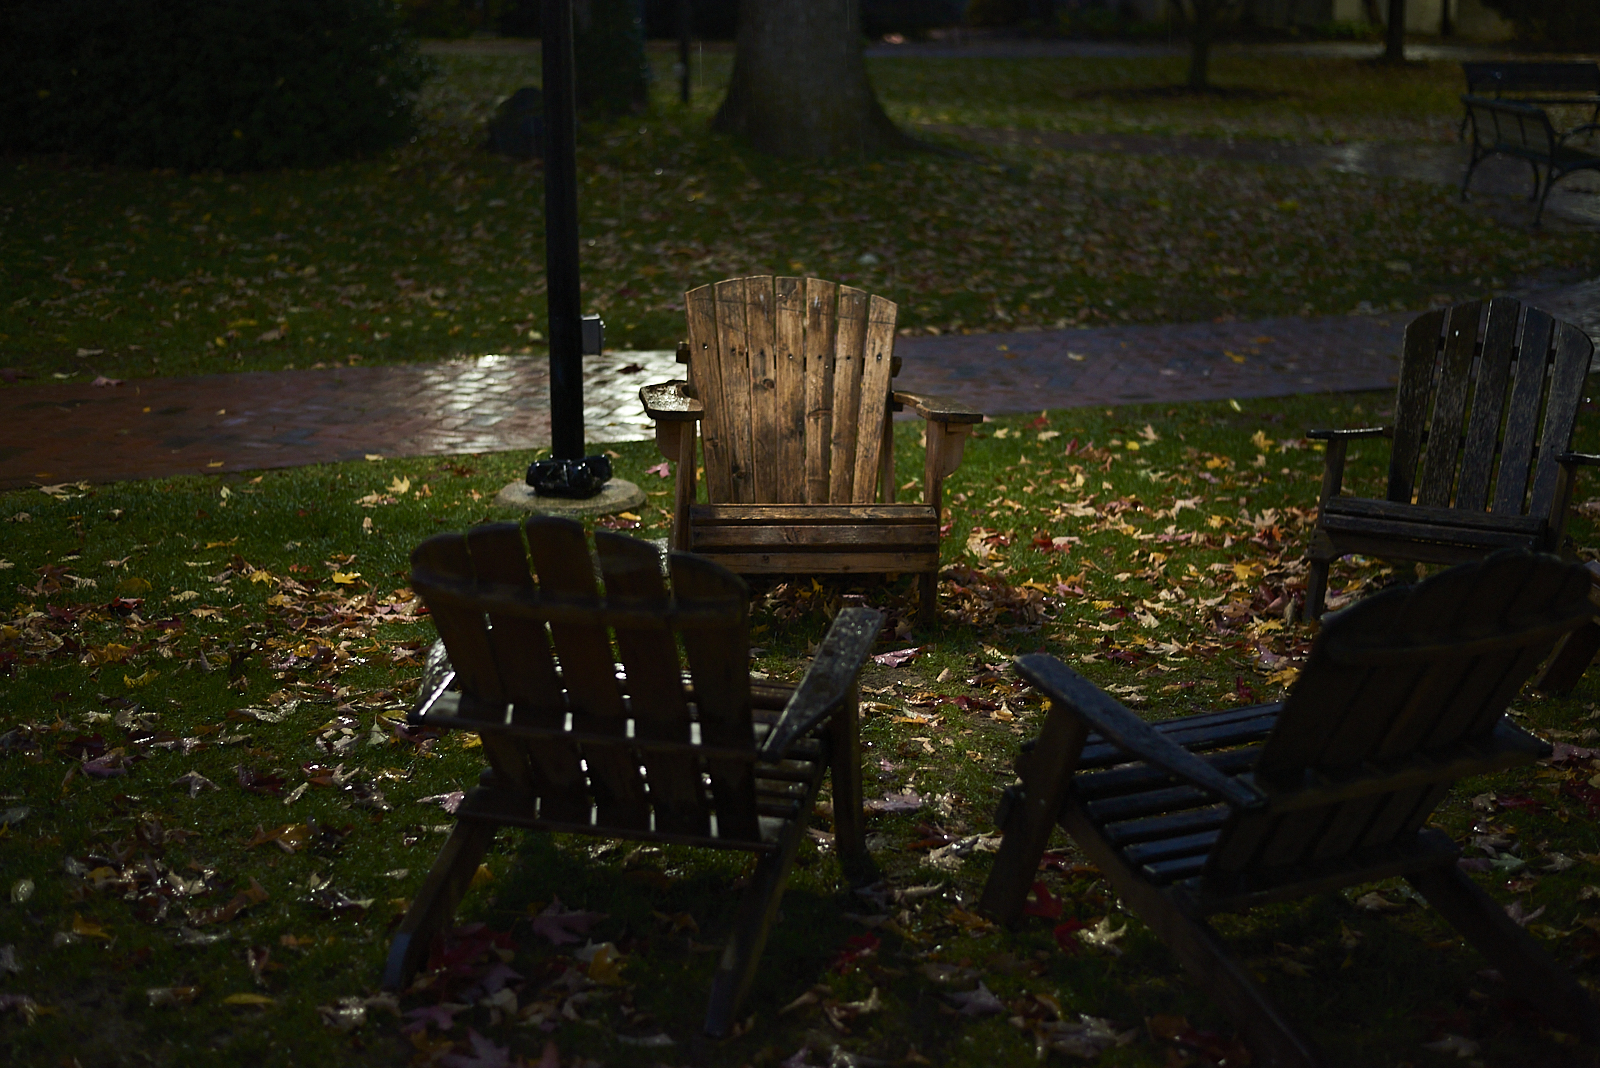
x,y
1119,726
938,409
1348,435
1579,459
829,681
1588,127
670,401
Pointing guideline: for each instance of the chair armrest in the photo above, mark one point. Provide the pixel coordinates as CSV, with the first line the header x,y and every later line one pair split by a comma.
x,y
1347,435
1579,459
828,681
670,401
1117,725
938,409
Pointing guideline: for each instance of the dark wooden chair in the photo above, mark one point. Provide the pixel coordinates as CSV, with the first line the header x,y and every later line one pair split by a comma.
x,y
1483,421
1403,695
581,744
791,386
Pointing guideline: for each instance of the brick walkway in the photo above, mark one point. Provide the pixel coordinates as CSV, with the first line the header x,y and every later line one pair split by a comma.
x,y
213,423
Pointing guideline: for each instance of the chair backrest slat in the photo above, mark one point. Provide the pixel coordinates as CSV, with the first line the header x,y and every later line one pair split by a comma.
x,y
705,368
733,356
1570,354
821,326
766,476
462,629
848,346
719,664
1411,401
649,654
1522,415
877,365
1449,406
789,372
1480,450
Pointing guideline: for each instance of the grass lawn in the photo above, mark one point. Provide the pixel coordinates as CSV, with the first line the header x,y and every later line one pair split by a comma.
x,y
212,814
435,249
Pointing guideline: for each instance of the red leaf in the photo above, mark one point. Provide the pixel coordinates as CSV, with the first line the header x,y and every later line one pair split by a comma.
x,y
1066,934
858,946
1043,903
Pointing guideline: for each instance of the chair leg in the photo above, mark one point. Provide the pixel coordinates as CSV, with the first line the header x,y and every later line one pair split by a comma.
x,y
1316,589
1572,658
1527,967
757,910
844,768
435,904
928,597
1268,1033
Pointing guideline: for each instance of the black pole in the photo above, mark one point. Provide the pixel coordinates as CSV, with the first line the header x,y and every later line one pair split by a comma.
x,y
685,31
563,286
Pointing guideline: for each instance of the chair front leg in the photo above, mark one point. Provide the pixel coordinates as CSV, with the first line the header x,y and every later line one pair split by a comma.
x,y
684,486
844,768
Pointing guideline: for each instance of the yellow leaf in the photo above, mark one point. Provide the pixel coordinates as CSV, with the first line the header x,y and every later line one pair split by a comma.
x,y
400,485
221,544
143,680
248,999
88,928
1261,441
133,584
481,876
628,516
346,578
260,576
278,600
605,966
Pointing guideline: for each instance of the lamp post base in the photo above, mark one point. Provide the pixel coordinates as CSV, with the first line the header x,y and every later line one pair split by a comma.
x,y
617,495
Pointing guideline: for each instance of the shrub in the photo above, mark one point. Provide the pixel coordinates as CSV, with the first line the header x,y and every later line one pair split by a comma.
x,y
206,84
1568,24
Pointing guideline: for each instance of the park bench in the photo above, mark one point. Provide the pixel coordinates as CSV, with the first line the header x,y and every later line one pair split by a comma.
x,y
790,382
580,744
1483,421
1403,695
1523,131
1534,82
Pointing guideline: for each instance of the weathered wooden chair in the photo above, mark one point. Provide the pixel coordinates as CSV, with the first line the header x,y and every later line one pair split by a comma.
x,y
790,383
578,743
1483,421
1403,694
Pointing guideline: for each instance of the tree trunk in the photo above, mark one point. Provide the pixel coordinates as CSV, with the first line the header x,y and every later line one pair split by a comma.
x,y
1394,39
1201,28
799,84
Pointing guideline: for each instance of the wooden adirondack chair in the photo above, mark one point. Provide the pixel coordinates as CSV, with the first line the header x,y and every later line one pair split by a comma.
x,y
580,744
1483,422
790,383
1403,695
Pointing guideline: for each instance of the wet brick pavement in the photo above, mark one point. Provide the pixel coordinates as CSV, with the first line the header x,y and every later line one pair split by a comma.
x,y
214,423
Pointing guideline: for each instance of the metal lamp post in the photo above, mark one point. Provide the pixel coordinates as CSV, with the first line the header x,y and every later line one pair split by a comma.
x,y
568,473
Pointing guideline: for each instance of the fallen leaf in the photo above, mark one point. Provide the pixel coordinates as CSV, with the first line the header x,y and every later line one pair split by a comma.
x,y
258,1000
979,1002
562,926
